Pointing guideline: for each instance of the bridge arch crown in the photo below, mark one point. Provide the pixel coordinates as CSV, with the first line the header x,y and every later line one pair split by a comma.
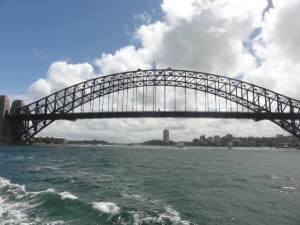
x,y
247,96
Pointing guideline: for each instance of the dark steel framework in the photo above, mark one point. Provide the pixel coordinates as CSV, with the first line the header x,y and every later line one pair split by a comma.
x,y
260,103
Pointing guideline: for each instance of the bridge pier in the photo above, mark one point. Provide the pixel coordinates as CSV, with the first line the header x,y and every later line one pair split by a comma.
x,y
4,110
9,131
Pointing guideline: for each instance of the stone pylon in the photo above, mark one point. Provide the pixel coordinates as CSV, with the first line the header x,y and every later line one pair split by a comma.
x,y
10,131
4,123
15,127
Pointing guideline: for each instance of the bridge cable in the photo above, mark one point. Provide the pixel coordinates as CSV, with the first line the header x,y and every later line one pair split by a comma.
x,y
230,98
153,96
175,98
102,101
136,98
90,103
185,94
237,105
127,99
113,99
132,97
118,100
215,99
93,98
108,102
165,97
146,100
226,96
123,97
196,100
205,100
144,97
219,103
93,104
154,92
99,105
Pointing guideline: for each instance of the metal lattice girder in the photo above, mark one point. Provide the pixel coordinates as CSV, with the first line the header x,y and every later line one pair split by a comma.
x,y
254,98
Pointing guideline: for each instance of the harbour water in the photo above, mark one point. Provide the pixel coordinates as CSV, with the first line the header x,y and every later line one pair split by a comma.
x,y
148,185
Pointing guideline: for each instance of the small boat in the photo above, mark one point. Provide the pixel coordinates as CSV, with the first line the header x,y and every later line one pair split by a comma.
x,y
180,145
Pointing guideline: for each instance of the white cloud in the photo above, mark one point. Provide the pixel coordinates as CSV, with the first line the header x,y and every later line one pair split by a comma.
x,y
143,17
40,88
127,58
197,35
278,48
61,75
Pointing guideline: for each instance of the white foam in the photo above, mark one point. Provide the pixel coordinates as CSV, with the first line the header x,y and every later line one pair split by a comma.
x,y
17,190
83,172
173,216
140,198
52,167
14,212
288,188
58,222
106,207
141,217
134,196
170,215
4,182
50,190
67,195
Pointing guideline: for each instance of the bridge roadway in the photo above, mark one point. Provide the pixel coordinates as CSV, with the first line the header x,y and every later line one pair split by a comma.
x,y
140,114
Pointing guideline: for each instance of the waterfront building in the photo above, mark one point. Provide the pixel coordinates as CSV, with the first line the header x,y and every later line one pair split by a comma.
x,y
166,136
202,137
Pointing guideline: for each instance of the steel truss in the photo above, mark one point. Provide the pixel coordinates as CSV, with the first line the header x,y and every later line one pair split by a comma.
x,y
280,109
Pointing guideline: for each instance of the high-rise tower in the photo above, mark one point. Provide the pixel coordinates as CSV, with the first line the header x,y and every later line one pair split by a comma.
x,y
166,136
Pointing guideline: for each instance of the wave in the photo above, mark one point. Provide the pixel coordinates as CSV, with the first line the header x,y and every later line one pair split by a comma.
x,y
163,213
67,195
12,208
106,207
20,206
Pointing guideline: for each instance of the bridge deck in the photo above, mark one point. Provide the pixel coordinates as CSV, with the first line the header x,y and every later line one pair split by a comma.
x,y
137,114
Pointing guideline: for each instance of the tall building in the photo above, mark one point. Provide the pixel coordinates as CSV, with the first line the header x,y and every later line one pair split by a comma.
x,y
229,137
217,140
166,136
202,137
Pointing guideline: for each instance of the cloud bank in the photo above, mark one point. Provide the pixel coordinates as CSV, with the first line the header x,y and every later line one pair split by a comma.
x,y
227,37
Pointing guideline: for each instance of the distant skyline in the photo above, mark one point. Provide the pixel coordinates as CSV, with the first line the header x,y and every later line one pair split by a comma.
x,y
48,45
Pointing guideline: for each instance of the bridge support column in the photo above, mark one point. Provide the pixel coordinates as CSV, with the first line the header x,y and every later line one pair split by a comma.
x,y
10,131
4,110
15,127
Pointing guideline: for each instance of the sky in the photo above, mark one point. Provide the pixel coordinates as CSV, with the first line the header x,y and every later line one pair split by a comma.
x,y
51,44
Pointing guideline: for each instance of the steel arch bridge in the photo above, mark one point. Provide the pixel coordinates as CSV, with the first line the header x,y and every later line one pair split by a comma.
x,y
141,93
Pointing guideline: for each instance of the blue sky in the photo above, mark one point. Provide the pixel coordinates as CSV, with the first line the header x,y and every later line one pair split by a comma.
x,y
36,33
51,44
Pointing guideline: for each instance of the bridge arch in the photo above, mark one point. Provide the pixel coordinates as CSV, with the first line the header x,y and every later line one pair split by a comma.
x,y
258,101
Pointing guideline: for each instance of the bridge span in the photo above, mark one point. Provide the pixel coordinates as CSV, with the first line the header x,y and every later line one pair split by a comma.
x,y
150,93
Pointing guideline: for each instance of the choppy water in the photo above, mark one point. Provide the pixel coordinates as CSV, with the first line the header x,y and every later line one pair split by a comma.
x,y
148,185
